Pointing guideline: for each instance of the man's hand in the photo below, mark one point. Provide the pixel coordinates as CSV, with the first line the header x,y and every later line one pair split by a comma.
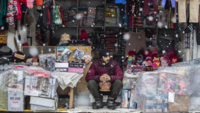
x,y
105,77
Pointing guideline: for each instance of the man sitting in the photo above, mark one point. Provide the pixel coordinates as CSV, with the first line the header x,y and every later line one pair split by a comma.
x,y
106,70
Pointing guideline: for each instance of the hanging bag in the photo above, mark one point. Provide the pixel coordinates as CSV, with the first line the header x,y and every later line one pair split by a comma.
x,y
57,17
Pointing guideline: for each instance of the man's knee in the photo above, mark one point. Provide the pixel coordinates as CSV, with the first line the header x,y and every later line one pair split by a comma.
x,y
118,83
91,84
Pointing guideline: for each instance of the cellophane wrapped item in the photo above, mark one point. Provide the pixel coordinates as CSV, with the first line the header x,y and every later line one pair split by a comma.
x,y
39,82
164,90
50,62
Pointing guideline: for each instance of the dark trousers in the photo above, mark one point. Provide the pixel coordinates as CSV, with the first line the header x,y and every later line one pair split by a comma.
x,y
115,88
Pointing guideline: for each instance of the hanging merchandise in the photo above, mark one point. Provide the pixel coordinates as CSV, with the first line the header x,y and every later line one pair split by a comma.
x,y
12,11
28,19
50,62
39,2
100,15
83,13
77,54
57,20
65,55
87,58
3,12
193,13
91,16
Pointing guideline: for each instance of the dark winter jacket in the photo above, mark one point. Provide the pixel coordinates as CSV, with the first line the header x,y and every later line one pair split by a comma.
x,y
97,69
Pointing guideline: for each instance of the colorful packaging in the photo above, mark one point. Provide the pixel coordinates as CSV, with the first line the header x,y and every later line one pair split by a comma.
x,y
124,98
133,104
15,100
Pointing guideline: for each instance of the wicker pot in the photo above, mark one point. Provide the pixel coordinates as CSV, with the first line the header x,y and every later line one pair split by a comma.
x,y
105,86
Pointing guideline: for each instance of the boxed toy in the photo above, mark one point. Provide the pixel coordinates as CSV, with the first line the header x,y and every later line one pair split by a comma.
x,y
133,104
15,100
162,108
38,103
125,97
61,67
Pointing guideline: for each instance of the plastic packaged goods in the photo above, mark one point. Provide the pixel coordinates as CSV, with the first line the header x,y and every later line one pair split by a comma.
x,y
77,54
164,90
50,62
65,55
42,60
38,82
129,83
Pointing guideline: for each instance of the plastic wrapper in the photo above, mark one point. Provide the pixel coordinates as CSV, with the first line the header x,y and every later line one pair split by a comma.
x,y
129,83
164,90
65,55
50,63
87,58
77,54
39,82
42,60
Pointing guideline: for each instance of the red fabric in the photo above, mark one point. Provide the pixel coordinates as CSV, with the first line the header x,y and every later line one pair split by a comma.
x,y
25,44
83,34
19,16
147,6
131,53
23,1
39,2
48,13
97,69
149,54
173,59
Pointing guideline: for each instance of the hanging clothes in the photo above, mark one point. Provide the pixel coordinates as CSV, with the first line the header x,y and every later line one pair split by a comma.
x,y
194,10
147,4
19,15
3,12
12,10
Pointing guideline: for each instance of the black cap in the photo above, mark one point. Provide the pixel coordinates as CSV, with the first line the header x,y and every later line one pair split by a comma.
x,y
104,53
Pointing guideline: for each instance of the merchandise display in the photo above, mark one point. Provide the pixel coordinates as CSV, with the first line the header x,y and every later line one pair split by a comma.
x,y
142,53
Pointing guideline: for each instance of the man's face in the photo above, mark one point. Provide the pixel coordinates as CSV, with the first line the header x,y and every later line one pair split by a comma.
x,y
106,59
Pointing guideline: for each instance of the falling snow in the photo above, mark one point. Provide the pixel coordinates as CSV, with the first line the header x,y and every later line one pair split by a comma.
x,y
160,24
126,36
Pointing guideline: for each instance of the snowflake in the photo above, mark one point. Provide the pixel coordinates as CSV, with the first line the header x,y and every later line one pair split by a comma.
x,y
150,18
126,36
78,16
160,24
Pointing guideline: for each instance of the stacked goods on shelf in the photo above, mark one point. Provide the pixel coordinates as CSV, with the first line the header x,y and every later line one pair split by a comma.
x,y
72,21
100,16
83,13
111,16
91,16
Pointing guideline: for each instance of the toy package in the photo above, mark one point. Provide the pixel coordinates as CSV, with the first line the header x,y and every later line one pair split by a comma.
x,y
133,104
78,55
65,55
129,83
162,83
125,94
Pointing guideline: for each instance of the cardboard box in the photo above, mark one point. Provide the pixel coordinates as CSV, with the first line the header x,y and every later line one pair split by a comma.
x,y
180,104
38,103
76,65
15,101
76,70
61,67
125,96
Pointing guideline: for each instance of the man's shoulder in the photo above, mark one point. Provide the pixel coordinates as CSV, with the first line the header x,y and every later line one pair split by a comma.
x,y
95,62
113,62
